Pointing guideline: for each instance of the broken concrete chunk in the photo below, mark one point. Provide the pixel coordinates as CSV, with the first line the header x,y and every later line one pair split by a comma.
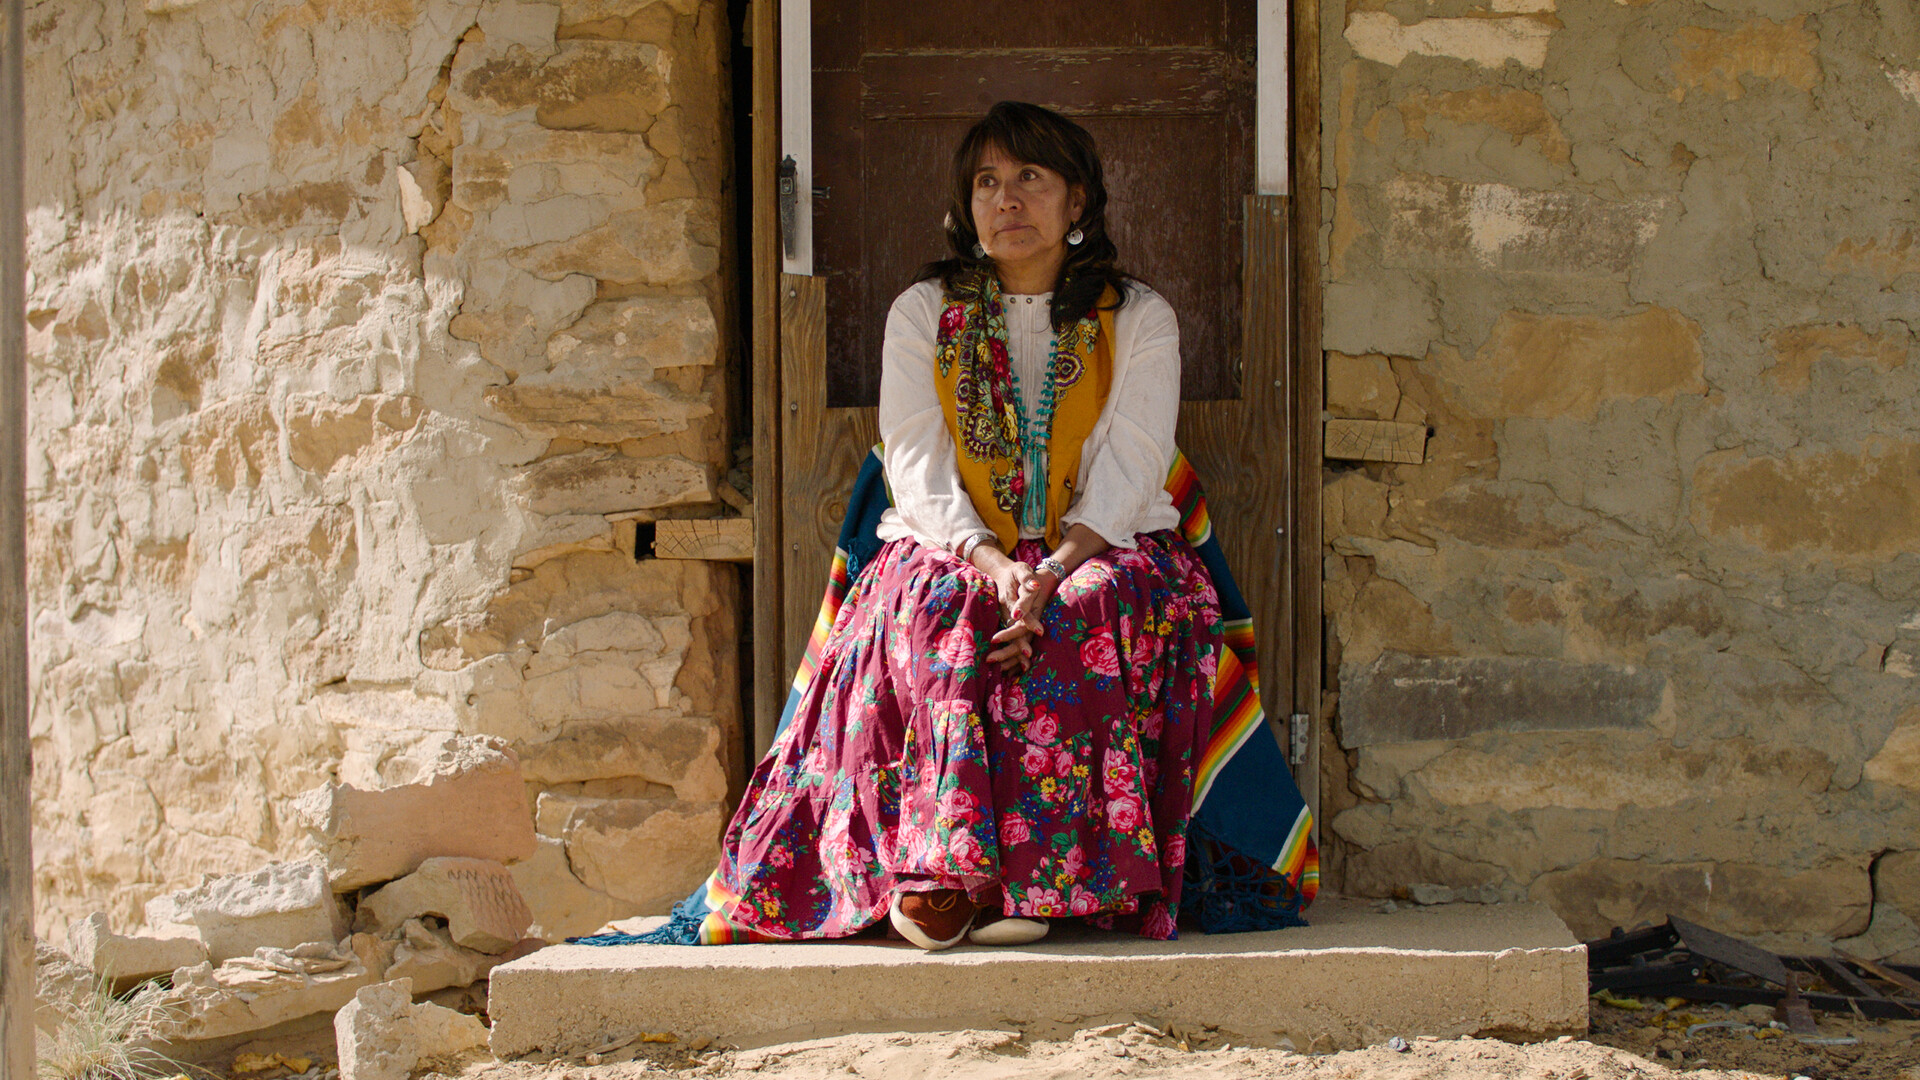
x,y
646,852
279,905
477,897
309,959
1430,894
366,1037
166,917
562,905
127,959
464,797
382,1035
60,987
250,994
429,957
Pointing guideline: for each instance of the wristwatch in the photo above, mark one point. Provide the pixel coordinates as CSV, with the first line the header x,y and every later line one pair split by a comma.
x,y
1052,566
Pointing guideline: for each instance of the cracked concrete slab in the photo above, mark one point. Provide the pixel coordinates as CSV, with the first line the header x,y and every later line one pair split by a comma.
x,y
1447,970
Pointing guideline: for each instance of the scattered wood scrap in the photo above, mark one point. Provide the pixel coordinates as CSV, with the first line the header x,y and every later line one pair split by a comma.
x,y
1685,960
713,539
1376,440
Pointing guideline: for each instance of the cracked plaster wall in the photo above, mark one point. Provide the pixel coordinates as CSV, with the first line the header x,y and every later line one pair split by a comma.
x,y
361,332
1651,274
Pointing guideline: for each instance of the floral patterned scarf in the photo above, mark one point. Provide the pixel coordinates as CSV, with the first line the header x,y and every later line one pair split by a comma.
x,y
975,377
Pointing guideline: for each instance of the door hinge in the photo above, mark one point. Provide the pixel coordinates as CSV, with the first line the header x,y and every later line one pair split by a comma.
x,y
1297,737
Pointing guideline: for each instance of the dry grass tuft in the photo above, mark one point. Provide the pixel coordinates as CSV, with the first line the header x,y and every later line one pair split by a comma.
x,y
103,1037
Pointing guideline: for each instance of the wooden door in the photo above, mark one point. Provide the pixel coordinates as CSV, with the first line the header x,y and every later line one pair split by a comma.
x,y
1167,90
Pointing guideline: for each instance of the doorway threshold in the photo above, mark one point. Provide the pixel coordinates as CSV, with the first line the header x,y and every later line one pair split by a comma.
x,y
1355,977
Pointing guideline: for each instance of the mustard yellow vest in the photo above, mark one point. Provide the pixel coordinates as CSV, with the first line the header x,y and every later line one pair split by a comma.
x,y
974,377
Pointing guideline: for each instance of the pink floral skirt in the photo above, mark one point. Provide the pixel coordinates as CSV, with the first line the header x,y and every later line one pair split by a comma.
x,y
914,764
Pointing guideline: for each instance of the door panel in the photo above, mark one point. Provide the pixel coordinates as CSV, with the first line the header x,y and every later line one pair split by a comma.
x,y
1022,24
1094,82
1167,92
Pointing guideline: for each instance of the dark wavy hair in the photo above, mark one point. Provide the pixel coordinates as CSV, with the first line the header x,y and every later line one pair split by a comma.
x,y
1037,136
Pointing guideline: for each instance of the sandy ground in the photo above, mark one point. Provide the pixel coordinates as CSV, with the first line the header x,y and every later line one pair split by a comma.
x,y
1132,1051
1647,1042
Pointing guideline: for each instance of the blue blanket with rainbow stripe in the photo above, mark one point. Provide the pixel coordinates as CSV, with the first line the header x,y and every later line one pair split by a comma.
x,y
1251,859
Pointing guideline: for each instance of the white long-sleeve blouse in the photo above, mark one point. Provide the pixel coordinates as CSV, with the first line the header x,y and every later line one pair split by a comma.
x,y
1123,464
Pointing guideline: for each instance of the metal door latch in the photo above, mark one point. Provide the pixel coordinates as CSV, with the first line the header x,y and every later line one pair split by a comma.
x,y
789,194
1297,736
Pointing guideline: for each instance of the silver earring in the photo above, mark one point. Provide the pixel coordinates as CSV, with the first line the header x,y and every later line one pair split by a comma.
x,y
978,251
1076,236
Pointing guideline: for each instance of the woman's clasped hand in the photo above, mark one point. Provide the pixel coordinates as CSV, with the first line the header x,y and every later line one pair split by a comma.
x,y
1023,595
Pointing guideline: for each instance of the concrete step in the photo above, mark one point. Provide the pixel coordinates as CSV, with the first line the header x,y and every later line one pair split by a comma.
x,y
1353,978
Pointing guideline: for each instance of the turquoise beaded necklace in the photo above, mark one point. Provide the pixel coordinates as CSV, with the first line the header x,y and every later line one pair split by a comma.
x,y
1033,451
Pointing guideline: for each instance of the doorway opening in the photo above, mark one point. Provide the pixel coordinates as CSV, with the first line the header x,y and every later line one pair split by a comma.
x,y
738,203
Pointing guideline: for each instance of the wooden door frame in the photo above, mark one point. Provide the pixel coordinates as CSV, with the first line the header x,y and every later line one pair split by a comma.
x,y
770,401
16,747
769,683
1308,391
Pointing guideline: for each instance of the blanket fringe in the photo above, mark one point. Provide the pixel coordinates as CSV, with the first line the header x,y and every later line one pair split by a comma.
x,y
1228,893
681,928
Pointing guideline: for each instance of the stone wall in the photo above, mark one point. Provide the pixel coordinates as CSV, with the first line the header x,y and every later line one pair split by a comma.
x,y
363,334
1642,633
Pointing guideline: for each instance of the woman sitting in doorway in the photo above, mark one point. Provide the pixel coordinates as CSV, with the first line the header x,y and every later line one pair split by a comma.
x,y
1009,712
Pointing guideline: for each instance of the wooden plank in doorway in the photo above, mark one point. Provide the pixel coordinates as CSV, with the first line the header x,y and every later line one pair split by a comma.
x,y
821,449
1235,444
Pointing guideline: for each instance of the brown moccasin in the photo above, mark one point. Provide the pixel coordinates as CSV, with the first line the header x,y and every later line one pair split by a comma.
x,y
933,920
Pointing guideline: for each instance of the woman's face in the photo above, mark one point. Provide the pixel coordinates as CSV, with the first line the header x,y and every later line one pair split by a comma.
x,y
1022,212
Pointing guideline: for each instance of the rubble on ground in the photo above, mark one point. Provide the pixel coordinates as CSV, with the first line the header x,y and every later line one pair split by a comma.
x,y
462,796
562,906
413,894
383,1035
279,904
429,957
254,993
59,985
1690,995
166,917
477,897
1694,1035
128,959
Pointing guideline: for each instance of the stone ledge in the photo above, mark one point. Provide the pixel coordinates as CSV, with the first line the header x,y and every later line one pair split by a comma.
x,y
1352,978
